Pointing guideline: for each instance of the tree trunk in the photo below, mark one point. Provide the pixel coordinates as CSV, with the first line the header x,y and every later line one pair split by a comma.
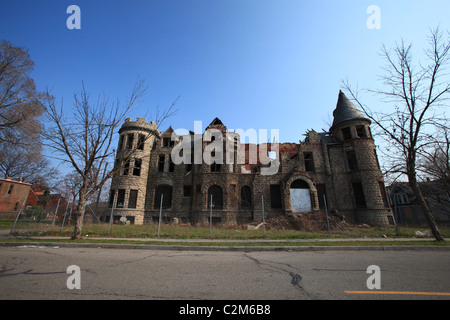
x,y
424,206
79,218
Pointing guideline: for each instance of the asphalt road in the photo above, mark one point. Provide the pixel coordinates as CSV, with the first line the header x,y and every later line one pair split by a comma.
x,y
41,273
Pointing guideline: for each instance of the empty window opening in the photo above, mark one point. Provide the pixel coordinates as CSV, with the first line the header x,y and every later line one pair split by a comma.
x,y
346,133
358,193
164,191
120,198
351,158
275,196
361,131
246,197
132,200
309,161
141,141
137,167
161,163
217,197
130,141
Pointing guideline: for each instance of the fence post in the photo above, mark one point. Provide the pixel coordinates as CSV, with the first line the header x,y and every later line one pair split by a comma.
x,y
160,212
18,214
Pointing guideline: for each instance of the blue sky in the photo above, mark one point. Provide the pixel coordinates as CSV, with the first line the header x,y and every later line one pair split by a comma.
x,y
259,64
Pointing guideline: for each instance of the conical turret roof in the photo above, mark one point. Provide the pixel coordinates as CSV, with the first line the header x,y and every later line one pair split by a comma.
x,y
346,110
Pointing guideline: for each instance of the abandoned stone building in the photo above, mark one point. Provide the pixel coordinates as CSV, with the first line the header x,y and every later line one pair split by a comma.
x,y
338,169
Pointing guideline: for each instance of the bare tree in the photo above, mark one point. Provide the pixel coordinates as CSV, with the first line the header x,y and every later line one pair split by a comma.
x,y
419,93
85,141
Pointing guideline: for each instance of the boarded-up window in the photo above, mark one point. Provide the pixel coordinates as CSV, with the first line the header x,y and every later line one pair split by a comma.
x,y
275,196
300,196
132,200
358,193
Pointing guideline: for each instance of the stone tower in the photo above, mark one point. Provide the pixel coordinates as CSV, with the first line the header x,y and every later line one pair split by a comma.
x,y
366,182
129,185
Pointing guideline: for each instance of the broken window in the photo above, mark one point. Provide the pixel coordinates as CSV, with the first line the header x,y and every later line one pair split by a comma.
x,y
215,167
132,200
358,193
120,198
275,196
161,163
130,141
309,161
217,197
246,197
164,192
346,133
351,158
137,167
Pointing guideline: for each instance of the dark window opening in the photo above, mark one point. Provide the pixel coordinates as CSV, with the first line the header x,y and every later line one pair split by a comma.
x,y
217,197
130,141
120,198
358,193
309,161
352,162
120,147
198,188
187,191
111,198
346,133
215,167
161,163
299,184
126,168
321,192
167,142
246,197
275,196
16,206
132,200
171,164
164,191
11,187
383,194
361,132
141,141
137,167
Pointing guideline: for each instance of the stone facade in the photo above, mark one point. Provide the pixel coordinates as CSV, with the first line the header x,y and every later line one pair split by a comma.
x,y
337,169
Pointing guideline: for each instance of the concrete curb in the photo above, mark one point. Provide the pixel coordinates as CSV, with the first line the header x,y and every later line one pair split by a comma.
x,y
222,248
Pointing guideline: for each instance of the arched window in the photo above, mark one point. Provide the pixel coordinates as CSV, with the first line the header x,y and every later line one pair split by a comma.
x,y
217,197
166,192
246,197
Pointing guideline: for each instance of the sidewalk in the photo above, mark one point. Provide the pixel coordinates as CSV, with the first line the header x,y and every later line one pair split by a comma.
x,y
230,244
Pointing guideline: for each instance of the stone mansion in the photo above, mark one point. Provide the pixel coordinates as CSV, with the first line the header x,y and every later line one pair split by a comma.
x,y
338,169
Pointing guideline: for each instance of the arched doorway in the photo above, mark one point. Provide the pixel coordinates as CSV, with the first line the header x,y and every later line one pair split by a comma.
x,y
217,197
300,196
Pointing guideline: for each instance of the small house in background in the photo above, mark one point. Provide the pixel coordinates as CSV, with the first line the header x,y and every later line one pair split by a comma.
x,y
408,212
13,195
